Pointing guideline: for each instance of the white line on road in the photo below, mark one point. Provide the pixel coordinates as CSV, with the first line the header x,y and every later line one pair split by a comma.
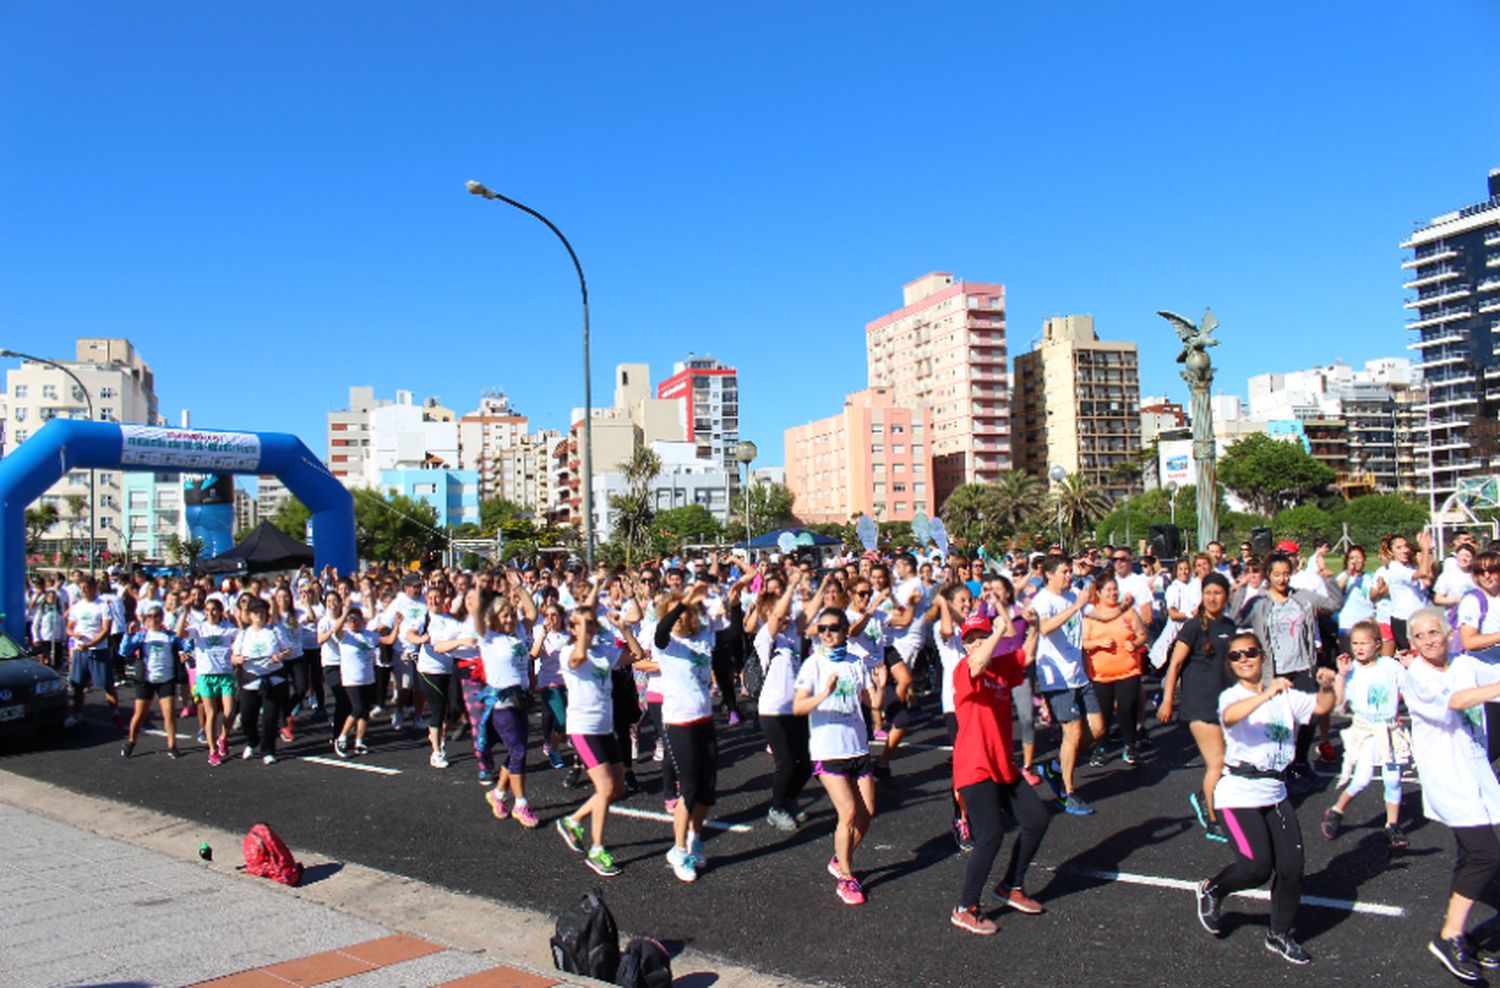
x,y
630,811
336,763
1346,905
162,734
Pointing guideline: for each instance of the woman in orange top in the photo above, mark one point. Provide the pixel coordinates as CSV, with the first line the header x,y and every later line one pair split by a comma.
x,y
1113,641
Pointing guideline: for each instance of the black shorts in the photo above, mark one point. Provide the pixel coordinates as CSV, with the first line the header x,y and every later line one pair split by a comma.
x,y
694,750
893,657
435,691
361,700
858,767
145,692
597,749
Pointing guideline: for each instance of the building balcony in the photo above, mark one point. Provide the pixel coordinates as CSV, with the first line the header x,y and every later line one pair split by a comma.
x,y
1433,277
1489,285
1492,306
1459,291
1443,316
1438,340
1492,239
1440,362
1442,254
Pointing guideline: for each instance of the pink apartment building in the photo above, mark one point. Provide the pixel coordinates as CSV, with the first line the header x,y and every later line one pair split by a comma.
x,y
944,351
874,457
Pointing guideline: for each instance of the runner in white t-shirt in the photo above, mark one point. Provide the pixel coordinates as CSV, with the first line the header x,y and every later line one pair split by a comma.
x,y
684,654
1062,680
1405,577
906,628
778,654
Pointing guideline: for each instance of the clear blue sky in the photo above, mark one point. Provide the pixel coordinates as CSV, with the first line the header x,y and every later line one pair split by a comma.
x,y
268,197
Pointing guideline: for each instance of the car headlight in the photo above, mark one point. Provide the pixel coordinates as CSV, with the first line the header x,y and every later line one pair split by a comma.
x,y
50,686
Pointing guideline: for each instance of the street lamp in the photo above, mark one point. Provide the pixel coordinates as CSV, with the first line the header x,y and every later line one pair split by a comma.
x,y
745,453
1058,475
89,400
1172,499
479,189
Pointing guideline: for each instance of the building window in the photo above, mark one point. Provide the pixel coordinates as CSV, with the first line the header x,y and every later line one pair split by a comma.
x,y
22,390
877,449
105,392
900,488
49,391
900,506
879,490
21,435
21,414
898,448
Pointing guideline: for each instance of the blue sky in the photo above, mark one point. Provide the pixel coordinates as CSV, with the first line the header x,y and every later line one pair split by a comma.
x,y
268,198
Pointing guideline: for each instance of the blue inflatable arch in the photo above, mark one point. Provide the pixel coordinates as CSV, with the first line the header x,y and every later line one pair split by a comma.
x,y
63,445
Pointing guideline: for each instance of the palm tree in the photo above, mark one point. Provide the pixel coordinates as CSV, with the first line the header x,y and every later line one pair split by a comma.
x,y
1018,498
1078,505
633,511
641,469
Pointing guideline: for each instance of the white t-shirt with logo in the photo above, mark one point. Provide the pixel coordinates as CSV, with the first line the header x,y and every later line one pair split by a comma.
x,y
590,705
1486,623
1266,740
440,628
780,660
260,647
88,617
507,661
158,654
1458,785
836,727
213,647
1372,690
357,651
556,647
1407,594
686,676
908,641
1059,655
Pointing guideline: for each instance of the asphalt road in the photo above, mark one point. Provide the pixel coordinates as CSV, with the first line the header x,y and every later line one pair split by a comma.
x,y
1115,884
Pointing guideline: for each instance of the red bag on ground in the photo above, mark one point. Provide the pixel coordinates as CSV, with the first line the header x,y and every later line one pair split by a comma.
x,y
267,856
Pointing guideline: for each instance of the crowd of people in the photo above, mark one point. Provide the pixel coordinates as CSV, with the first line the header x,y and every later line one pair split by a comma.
x,y
839,658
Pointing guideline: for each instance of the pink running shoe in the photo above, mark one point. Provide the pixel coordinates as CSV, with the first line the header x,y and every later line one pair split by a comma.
x,y
833,867
496,799
882,735
848,889
214,760
223,748
525,816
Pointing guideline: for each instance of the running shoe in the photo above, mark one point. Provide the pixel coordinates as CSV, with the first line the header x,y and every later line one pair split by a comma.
x,y
833,867
202,737
1325,752
780,820
574,778
602,862
223,746
572,833
848,889
1208,909
658,753
1395,838
420,723
1096,758
185,713
1017,900
1457,958
961,835
375,712
268,759
71,721
632,786
173,754
249,753
487,778
1333,822
1200,810
341,746
695,848
971,921
127,749
1290,950
1073,805
496,799
360,748
525,815
397,721
1215,832
1051,773
734,718
438,759
882,735
287,735
670,804
1128,756
214,761
1484,958
1030,775
682,865
554,757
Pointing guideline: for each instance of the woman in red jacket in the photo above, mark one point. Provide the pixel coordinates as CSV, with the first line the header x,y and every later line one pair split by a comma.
x,y
983,773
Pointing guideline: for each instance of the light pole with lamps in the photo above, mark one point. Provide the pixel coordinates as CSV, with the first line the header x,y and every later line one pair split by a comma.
x,y
479,189
1058,475
1172,499
745,453
89,401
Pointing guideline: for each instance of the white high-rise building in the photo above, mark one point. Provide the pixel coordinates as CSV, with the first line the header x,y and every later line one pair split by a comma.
x,y
123,389
349,437
408,436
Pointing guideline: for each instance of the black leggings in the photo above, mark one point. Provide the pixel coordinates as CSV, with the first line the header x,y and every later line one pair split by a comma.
x,y
1126,693
1478,860
989,803
341,706
260,715
1268,840
725,674
693,750
627,711
787,736
668,770
382,690
315,674
435,689
297,677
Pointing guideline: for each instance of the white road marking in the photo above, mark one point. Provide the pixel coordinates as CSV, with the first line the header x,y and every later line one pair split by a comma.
x,y
162,734
630,811
1185,885
914,745
336,763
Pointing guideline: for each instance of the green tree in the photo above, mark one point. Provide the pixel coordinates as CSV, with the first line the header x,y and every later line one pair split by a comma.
x,y
770,508
395,529
38,521
497,512
1376,515
632,513
1305,524
973,514
78,509
1077,506
1271,475
292,518
691,524
1020,498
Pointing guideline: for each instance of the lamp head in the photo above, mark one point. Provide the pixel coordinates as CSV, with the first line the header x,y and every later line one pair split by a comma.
x,y
478,188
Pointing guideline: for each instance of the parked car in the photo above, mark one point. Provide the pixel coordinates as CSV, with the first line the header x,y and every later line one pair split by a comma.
x,y
32,695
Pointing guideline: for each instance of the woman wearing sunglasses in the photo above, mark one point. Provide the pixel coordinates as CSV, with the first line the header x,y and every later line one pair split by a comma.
x,y
832,688
1260,721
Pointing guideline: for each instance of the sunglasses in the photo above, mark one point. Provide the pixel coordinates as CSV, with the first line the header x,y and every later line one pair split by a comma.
x,y
1492,570
828,629
1122,559
1235,654
860,593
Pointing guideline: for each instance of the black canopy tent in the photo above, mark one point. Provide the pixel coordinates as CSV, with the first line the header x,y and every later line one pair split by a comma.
x,y
264,550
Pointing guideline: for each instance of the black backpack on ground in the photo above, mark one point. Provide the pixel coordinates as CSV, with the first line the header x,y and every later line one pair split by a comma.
x,y
644,964
587,940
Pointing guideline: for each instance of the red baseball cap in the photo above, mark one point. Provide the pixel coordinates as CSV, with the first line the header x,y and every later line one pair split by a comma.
x,y
977,622
1286,545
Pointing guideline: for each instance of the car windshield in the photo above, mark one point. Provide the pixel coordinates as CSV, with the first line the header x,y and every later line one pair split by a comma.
x,y
9,649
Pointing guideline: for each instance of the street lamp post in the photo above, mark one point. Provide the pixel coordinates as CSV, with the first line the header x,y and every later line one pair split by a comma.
x,y
479,189
1172,499
745,453
89,401
1058,475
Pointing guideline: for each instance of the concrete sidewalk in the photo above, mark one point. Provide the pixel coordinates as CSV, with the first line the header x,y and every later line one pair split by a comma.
x,y
117,896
